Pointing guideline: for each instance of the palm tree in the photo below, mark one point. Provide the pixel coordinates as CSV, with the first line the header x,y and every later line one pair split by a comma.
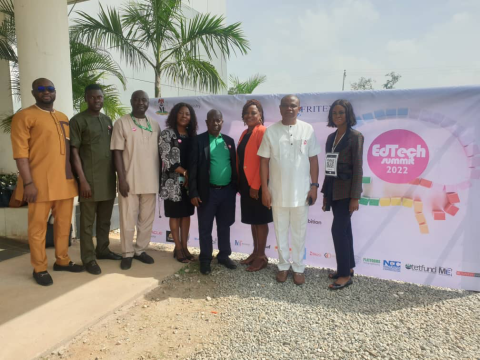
x,y
88,65
246,87
156,34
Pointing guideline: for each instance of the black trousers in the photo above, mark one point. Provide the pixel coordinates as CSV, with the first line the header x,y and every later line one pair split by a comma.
x,y
342,236
221,207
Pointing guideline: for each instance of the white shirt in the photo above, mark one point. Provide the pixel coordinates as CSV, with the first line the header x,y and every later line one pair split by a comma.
x,y
289,148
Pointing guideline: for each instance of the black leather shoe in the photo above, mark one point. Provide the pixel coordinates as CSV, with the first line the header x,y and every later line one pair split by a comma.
x,y
93,268
109,256
205,268
334,275
228,263
43,278
336,286
145,258
126,263
71,267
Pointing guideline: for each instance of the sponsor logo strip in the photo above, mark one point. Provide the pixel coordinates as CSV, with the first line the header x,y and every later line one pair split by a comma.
x,y
469,274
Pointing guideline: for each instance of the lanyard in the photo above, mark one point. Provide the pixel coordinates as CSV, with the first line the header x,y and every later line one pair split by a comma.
x,y
335,146
149,128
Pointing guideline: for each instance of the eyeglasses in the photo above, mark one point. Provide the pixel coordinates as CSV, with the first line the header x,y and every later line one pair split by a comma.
x,y
45,88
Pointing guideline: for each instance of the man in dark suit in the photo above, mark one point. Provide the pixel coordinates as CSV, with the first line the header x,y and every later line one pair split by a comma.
x,y
213,187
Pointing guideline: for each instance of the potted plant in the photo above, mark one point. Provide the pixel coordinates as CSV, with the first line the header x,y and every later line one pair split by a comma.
x,y
7,184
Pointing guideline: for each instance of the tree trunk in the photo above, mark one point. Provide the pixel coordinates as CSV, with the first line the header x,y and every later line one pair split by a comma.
x,y
158,86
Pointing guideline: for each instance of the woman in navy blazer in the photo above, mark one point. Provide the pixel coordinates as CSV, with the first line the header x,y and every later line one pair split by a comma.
x,y
343,192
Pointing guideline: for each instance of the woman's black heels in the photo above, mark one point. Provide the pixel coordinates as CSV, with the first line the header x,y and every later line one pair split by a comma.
x,y
334,275
187,254
336,286
182,259
190,257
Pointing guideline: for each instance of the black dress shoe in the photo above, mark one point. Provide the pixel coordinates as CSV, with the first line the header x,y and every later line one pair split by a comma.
x,y
93,268
334,275
145,258
336,286
228,263
205,268
109,256
43,278
126,263
71,267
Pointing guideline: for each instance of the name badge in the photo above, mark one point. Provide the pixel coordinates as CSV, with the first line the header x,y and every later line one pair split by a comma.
x,y
331,161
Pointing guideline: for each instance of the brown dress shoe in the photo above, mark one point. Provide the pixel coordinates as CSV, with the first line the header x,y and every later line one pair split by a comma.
x,y
282,276
298,278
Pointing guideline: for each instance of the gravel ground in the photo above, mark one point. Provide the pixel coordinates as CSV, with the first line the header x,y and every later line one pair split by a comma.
x,y
372,318
233,314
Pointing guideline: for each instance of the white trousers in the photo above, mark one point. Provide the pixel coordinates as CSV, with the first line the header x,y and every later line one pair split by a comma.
x,y
296,219
136,211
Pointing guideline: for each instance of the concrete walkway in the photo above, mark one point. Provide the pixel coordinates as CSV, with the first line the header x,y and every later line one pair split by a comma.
x,y
36,319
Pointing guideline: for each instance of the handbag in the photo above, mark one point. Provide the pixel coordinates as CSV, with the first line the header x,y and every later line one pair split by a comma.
x,y
14,203
49,242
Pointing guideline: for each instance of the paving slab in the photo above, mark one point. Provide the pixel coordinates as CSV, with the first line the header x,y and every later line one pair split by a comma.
x,y
11,248
36,319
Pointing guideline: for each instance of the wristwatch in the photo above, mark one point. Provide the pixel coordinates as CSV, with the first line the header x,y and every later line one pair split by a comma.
x,y
315,184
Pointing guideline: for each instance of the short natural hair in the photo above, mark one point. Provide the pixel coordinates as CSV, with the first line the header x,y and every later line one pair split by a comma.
x,y
257,104
214,112
34,83
290,96
93,87
349,114
171,121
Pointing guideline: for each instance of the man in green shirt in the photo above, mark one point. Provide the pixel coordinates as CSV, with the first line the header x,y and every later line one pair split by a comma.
x,y
213,188
90,134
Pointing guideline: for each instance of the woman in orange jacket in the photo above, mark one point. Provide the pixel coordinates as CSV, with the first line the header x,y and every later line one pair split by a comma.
x,y
248,162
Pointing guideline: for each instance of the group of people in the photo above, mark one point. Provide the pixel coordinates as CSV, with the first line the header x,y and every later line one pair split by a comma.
x,y
274,169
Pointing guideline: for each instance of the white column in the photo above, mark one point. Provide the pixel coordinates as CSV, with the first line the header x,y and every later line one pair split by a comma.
x,y
7,164
44,49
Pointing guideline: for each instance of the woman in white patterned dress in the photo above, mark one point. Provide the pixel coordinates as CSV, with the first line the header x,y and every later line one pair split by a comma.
x,y
174,148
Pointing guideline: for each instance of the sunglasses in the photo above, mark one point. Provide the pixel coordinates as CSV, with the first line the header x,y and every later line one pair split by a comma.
x,y
45,88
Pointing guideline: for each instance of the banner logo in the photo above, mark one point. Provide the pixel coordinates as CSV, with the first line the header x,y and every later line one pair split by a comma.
x,y
368,261
161,107
421,268
241,243
398,156
445,271
469,274
313,109
392,265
